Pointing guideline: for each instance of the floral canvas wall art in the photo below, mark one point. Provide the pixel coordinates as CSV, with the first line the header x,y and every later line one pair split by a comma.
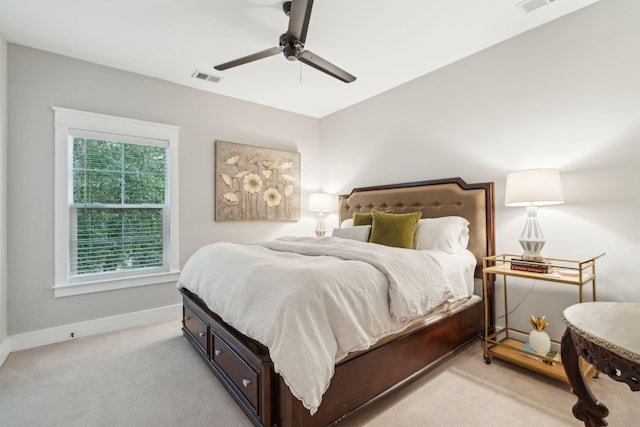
x,y
256,183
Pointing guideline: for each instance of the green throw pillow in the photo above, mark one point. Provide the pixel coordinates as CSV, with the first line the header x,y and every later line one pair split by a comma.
x,y
395,230
365,218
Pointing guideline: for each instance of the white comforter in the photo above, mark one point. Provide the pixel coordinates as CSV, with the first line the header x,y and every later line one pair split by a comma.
x,y
312,301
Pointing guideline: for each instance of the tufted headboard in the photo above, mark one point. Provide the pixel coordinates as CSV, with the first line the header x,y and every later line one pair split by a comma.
x,y
436,198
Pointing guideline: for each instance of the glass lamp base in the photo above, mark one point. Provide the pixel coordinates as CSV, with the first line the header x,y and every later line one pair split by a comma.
x,y
320,230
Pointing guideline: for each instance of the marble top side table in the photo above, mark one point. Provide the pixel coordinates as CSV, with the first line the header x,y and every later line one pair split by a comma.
x,y
607,335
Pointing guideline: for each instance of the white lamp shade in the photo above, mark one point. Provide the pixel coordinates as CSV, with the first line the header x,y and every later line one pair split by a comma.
x,y
321,202
533,187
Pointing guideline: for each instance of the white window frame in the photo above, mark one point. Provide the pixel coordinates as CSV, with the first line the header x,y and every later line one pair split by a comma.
x,y
69,122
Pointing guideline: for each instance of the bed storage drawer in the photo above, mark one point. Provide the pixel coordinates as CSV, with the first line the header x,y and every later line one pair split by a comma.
x,y
196,326
239,358
241,374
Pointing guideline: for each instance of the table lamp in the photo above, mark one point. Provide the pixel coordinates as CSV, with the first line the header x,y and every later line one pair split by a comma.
x,y
533,188
321,203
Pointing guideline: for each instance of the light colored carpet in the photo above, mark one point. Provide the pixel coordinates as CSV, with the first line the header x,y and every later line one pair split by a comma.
x,y
151,376
465,391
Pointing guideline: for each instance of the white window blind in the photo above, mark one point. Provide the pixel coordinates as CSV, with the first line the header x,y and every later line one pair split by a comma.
x,y
118,206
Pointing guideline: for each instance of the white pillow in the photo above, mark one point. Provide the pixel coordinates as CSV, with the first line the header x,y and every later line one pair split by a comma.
x,y
447,233
360,233
347,223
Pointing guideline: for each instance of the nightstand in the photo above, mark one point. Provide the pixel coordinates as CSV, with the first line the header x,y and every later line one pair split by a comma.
x,y
502,343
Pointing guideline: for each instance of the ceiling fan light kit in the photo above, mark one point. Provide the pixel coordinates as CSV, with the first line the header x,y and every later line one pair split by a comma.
x,y
291,44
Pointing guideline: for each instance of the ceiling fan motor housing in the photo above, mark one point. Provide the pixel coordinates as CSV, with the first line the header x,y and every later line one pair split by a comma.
x,y
291,47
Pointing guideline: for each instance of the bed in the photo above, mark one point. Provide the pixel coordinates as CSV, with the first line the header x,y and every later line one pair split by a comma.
x,y
245,366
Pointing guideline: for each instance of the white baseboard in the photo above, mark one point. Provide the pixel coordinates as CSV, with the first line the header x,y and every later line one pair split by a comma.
x,y
4,350
91,327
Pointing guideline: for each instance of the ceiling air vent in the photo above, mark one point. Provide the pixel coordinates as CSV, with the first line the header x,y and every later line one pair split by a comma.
x,y
201,75
529,6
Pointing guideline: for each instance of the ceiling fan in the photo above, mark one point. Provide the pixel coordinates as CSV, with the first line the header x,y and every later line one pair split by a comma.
x,y
292,44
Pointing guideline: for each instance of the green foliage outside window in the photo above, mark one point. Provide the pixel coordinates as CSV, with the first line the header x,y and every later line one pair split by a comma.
x,y
119,195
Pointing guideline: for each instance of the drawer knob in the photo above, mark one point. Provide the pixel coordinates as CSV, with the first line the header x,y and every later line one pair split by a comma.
x,y
202,334
218,352
246,382
187,317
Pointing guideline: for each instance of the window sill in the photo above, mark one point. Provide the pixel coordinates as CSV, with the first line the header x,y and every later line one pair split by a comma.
x,y
65,290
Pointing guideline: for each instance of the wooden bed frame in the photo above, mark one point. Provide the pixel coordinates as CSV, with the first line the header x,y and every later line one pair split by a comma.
x,y
245,369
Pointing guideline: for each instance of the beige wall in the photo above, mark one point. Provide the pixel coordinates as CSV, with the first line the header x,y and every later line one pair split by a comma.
x,y
3,192
565,95
39,80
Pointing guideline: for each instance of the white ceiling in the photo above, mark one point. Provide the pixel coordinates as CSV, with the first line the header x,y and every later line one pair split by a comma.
x,y
383,43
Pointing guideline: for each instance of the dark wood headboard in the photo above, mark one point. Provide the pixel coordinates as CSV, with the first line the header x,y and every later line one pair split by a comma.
x,y
435,198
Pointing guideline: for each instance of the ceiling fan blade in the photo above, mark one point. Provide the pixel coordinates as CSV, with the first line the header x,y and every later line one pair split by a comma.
x,y
325,66
299,19
250,58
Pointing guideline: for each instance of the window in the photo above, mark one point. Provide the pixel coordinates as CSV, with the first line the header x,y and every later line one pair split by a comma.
x,y
116,225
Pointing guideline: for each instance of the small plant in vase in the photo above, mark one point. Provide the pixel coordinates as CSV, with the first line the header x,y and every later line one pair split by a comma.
x,y
538,339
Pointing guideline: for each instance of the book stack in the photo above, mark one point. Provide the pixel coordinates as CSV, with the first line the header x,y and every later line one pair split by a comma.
x,y
530,265
550,358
